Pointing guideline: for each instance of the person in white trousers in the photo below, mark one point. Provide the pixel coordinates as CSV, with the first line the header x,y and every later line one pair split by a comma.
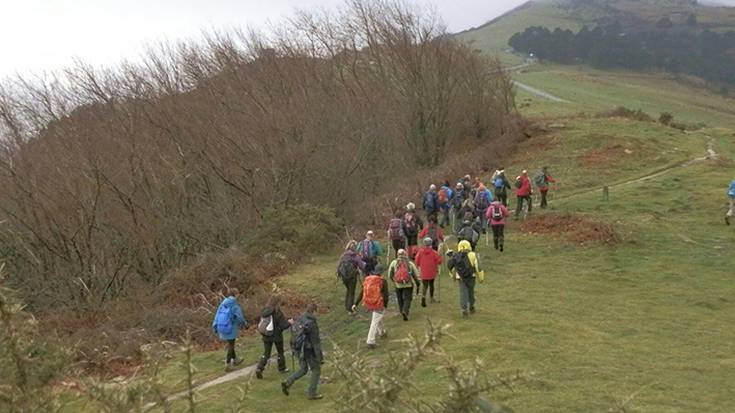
x,y
374,296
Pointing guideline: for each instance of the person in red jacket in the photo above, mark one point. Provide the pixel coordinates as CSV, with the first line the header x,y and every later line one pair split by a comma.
x,y
428,261
433,231
523,192
496,214
543,188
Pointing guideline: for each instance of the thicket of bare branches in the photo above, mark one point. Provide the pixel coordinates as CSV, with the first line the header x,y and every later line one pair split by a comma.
x,y
113,177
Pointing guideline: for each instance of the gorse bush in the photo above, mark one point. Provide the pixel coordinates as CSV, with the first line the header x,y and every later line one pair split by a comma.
x,y
112,178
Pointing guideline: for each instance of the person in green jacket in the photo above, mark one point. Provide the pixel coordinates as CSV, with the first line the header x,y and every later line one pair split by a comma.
x,y
404,274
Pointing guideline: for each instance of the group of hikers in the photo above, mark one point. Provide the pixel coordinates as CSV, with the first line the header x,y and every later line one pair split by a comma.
x,y
457,215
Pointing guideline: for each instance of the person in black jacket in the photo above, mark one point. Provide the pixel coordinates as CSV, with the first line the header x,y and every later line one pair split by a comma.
x,y
273,335
311,358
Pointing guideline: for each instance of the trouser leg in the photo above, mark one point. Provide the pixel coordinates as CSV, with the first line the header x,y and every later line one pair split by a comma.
x,y
316,371
463,296
303,369
519,205
543,199
501,235
496,236
399,297
267,349
376,326
471,293
407,298
350,285
530,203
231,356
281,356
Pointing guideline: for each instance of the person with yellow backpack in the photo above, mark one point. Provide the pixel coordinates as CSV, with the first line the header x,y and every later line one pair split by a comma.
x,y
374,295
404,275
464,265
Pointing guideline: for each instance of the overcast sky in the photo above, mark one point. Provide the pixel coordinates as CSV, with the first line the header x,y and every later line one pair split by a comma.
x,y
42,35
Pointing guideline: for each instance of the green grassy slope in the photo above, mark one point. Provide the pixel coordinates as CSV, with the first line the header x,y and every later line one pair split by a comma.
x,y
592,324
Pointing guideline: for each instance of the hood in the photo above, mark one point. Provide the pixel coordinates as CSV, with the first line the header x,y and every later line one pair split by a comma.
x,y
267,311
464,246
229,301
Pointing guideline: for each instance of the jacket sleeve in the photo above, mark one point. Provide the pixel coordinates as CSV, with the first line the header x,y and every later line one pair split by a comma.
x,y
239,317
316,341
474,261
359,263
414,273
214,320
438,258
423,233
378,248
283,323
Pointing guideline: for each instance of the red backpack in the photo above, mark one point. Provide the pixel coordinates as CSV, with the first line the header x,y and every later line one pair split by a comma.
x,y
371,294
402,275
443,197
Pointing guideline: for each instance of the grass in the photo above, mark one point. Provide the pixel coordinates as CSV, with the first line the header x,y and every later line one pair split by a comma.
x,y
649,319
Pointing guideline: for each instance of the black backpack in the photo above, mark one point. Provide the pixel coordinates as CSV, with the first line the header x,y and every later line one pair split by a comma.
x,y
299,334
462,265
346,268
409,221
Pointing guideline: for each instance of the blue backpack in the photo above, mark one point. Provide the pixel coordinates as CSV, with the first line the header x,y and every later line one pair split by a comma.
x,y
499,182
731,191
223,320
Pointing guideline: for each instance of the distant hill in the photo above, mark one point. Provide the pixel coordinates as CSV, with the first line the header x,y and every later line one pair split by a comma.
x,y
492,37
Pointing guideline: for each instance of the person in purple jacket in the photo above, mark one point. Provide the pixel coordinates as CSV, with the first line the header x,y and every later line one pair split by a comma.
x,y
349,267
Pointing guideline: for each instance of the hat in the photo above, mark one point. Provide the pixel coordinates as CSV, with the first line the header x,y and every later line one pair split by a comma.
x,y
369,233
401,252
378,269
428,241
524,172
411,206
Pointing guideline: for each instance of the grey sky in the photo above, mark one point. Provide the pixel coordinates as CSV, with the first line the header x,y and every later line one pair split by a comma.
x,y
39,35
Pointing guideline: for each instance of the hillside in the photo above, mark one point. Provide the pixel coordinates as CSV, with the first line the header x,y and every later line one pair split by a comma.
x,y
493,36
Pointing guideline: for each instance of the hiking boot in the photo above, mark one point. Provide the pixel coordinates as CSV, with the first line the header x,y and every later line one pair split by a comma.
x,y
316,397
472,310
405,316
372,346
259,374
284,388
423,301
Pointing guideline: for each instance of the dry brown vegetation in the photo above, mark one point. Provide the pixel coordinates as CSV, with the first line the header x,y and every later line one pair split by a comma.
x,y
113,179
574,229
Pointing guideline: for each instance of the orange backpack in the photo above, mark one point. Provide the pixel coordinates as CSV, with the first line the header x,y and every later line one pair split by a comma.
x,y
371,294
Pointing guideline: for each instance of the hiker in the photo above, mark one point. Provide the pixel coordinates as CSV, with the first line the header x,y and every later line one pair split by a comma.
x,y
306,344
496,214
228,320
467,186
542,180
731,196
428,261
271,327
457,212
468,233
404,275
483,197
445,197
412,225
433,231
349,266
431,202
374,295
465,264
523,192
395,233
500,182
369,251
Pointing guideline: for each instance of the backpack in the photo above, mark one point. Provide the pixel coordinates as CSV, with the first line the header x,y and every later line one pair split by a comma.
x,y
497,213
462,265
395,231
469,203
410,222
367,249
223,320
371,293
540,180
265,326
467,234
402,275
299,332
443,196
482,200
346,268
499,182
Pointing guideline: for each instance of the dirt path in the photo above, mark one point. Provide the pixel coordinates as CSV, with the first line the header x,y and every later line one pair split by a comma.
x,y
539,92
711,154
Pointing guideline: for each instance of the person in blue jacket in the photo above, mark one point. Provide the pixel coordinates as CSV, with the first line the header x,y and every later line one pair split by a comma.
x,y
731,197
445,197
228,320
431,202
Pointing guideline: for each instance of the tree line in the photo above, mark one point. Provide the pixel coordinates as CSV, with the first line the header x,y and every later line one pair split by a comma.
x,y
663,46
113,177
